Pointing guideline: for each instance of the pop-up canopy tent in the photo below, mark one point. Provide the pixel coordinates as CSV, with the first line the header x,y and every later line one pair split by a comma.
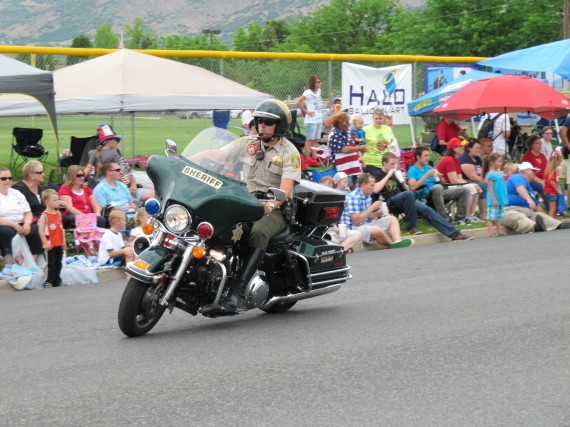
x,y
127,81
551,57
19,78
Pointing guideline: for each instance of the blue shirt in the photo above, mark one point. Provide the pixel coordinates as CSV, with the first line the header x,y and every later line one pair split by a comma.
x,y
499,187
357,133
514,181
106,194
416,173
355,202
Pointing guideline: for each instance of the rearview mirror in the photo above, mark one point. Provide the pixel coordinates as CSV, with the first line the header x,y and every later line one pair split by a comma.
x,y
276,193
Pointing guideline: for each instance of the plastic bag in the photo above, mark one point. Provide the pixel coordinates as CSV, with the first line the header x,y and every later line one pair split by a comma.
x,y
21,252
78,275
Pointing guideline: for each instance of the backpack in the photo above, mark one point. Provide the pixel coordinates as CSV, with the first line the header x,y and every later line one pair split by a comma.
x,y
487,127
434,144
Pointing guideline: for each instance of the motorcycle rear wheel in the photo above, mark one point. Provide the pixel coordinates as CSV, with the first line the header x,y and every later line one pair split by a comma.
x,y
139,309
279,307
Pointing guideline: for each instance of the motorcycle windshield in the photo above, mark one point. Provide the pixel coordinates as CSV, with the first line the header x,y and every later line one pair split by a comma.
x,y
205,183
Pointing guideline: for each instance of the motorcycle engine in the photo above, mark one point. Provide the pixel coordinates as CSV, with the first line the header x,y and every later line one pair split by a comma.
x,y
256,292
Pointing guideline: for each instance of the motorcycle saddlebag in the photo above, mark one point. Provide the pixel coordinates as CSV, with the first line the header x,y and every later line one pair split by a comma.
x,y
317,204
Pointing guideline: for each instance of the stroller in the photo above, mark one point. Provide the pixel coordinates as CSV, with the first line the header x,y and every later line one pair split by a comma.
x,y
87,235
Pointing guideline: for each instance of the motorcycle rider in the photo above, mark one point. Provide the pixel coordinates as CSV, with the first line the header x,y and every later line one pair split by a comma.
x,y
273,162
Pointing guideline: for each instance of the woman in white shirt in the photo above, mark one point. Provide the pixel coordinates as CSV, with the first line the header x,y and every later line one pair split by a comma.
x,y
311,104
546,141
15,218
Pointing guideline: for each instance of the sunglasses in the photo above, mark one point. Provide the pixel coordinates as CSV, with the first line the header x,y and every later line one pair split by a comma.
x,y
115,170
79,175
6,178
267,122
39,173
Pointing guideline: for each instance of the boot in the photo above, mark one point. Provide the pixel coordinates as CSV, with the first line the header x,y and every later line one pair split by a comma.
x,y
254,258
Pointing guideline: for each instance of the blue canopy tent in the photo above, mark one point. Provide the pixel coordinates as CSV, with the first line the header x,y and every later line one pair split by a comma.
x,y
551,57
425,104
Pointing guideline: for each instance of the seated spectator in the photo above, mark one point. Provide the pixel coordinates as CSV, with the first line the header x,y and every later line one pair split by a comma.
x,y
111,191
552,188
328,181
535,157
422,179
112,249
471,167
344,152
450,171
341,182
523,214
15,218
31,187
446,130
486,147
378,140
108,151
508,170
366,217
398,196
141,218
78,198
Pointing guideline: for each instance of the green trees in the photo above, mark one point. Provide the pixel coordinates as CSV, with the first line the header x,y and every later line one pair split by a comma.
x,y
79,41
105,38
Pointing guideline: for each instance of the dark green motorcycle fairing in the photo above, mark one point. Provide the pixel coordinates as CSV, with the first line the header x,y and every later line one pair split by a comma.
x,y
222,207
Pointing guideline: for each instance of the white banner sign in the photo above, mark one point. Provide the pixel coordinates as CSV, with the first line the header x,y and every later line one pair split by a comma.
x,y
366,88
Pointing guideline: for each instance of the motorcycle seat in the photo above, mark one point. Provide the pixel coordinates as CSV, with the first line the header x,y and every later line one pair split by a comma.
x,y
281,237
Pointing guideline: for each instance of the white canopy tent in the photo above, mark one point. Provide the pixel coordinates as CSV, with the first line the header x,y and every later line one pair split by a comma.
x,y
127,81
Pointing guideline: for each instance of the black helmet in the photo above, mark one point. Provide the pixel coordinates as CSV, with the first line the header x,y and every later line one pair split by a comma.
x,y
274,109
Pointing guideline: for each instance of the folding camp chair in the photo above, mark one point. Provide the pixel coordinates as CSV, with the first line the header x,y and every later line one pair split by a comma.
x,y
76,148
322,155
26,144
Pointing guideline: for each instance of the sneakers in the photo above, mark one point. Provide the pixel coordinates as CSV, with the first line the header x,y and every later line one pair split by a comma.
x,y
402,243
539,225
459,221
461,237
473,220
414,231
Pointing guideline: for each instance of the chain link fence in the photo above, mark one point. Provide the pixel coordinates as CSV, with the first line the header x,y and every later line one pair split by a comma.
x,y
144,133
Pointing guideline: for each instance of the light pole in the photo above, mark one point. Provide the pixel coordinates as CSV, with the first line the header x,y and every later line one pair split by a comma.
x,y
211,33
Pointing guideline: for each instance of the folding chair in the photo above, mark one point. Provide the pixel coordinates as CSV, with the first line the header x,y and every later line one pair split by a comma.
x,y
76,148
86,233
26,144
323,155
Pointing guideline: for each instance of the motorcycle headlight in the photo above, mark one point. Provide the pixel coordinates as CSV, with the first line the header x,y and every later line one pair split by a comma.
x,y
177,219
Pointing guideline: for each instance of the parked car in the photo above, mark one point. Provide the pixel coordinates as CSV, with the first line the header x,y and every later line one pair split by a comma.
x,y
194,114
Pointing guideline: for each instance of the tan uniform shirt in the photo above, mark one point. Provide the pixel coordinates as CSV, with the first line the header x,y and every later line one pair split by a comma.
x,y
280,161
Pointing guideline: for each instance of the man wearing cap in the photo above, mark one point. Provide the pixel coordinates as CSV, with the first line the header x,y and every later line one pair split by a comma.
x,y
446,130
523,214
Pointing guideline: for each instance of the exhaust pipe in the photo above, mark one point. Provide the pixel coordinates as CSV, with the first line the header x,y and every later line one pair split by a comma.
x,y
301,295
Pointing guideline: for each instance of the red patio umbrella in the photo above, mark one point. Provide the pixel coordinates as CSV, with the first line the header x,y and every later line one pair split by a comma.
x,y
505,94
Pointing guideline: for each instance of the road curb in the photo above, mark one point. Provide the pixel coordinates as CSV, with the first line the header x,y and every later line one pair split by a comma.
x,y
103,276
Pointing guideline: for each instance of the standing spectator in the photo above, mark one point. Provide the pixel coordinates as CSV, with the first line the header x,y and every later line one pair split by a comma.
x,y
445,131
496,193
564,135
394,146
111,190
398,196
501,131
112,249
15,218
450,170
486,147
551,186
546,141
472,169
421,178
50,226
535,157
78,198
378,140
366,217
246,118
31,187
310,103
344,153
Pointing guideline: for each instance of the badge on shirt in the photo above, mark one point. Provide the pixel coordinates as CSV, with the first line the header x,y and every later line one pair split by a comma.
x,y
252,149
295,161
276,160
237,233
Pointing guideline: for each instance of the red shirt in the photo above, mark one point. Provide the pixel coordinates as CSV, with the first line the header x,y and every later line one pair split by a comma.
x,y
445,131
448,164
549,184
54,228
538,162
81,203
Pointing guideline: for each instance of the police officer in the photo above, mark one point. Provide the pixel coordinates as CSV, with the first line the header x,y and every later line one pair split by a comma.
x,y
273,162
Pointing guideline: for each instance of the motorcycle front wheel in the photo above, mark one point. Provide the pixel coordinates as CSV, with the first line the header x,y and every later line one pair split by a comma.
x,y
140,310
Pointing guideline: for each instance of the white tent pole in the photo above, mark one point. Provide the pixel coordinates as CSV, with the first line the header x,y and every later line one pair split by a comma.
x,y
133,134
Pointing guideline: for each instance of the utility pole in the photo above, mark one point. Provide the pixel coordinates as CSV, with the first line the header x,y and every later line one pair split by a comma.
x,y
565,25
216,32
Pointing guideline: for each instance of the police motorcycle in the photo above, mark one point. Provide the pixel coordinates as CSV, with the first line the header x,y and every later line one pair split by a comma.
x,y
196,241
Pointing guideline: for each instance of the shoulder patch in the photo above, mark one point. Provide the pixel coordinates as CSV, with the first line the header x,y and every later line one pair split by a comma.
x,y
295,160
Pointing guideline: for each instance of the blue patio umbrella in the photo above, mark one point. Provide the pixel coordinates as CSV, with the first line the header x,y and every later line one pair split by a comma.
x,y
425,104
551,57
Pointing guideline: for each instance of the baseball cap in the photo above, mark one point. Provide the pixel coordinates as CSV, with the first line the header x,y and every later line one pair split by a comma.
x,y
526,166
456,142
338,176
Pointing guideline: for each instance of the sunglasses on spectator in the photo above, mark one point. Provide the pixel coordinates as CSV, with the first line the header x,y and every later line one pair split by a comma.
x,y
39,172
267,122
79,175
115,170
6,178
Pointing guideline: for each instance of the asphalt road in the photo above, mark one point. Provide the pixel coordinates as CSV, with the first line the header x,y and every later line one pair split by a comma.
x,y
455,334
